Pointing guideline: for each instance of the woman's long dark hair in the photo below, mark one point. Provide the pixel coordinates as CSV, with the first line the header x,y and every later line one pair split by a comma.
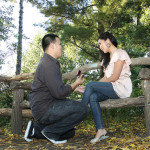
x,y
106,57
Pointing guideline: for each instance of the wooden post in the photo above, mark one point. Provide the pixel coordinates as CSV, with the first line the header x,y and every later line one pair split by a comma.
x,y
145,76
16,117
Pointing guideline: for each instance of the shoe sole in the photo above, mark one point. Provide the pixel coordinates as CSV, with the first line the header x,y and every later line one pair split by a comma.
x,y
99,139
103,137
53,141
27,132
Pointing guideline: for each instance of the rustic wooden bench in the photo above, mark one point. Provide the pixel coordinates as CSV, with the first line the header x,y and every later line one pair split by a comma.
x,y
21,108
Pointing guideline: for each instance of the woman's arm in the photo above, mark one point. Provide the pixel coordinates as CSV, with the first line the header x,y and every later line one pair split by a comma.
x,y
102,79
116,73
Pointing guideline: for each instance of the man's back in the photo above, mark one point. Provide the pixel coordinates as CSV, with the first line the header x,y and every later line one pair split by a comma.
x,y
40,97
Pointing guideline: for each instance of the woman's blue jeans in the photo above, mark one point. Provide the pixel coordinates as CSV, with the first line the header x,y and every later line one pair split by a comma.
x,y
96,92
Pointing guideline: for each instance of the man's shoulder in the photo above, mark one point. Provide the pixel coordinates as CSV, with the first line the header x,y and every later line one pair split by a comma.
x,y
44,63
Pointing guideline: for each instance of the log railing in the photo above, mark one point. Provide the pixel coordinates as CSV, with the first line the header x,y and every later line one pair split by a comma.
x,y
21,108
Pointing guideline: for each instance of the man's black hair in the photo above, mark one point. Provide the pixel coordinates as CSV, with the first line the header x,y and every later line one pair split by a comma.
x,y
47,39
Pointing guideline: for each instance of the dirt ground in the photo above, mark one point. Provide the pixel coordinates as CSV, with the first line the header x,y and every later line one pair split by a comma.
x,y
116,141
123,135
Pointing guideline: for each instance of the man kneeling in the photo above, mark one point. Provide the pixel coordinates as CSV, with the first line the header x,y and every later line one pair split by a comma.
x,y
55,116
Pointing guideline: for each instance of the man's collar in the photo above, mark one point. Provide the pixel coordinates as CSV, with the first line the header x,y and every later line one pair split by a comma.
x,y
51,58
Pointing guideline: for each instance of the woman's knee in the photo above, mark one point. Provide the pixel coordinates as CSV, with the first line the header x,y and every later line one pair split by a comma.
x,y
93,98
89,86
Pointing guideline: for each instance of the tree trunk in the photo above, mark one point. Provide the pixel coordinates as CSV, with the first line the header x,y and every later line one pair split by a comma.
x,y
20,32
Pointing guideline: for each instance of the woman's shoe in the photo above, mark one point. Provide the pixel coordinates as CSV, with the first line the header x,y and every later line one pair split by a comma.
x,y
94,140
99,139
103,137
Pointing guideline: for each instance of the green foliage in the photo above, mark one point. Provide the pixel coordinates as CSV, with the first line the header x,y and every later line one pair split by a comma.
x,y
5,27
32,57
5,101
145,17
122,114
79,39
5,96
2,58
78,24
79,33
5,21
136,82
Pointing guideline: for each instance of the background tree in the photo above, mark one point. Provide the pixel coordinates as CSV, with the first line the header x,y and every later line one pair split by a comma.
x,y
6,27
79,23
20,33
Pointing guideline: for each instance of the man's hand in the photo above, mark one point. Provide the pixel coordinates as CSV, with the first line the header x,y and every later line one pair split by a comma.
x,y
80,79
78,82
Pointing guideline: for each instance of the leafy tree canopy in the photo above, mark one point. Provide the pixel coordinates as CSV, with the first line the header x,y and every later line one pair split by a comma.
x,y
79,23
32,57
5,21
5,26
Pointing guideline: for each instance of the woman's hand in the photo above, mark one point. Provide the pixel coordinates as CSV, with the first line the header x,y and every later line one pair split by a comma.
x,y
80,89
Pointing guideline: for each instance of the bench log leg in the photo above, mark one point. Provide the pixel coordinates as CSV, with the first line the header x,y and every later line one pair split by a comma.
x,y
146,86
147,118
145,76
16,116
